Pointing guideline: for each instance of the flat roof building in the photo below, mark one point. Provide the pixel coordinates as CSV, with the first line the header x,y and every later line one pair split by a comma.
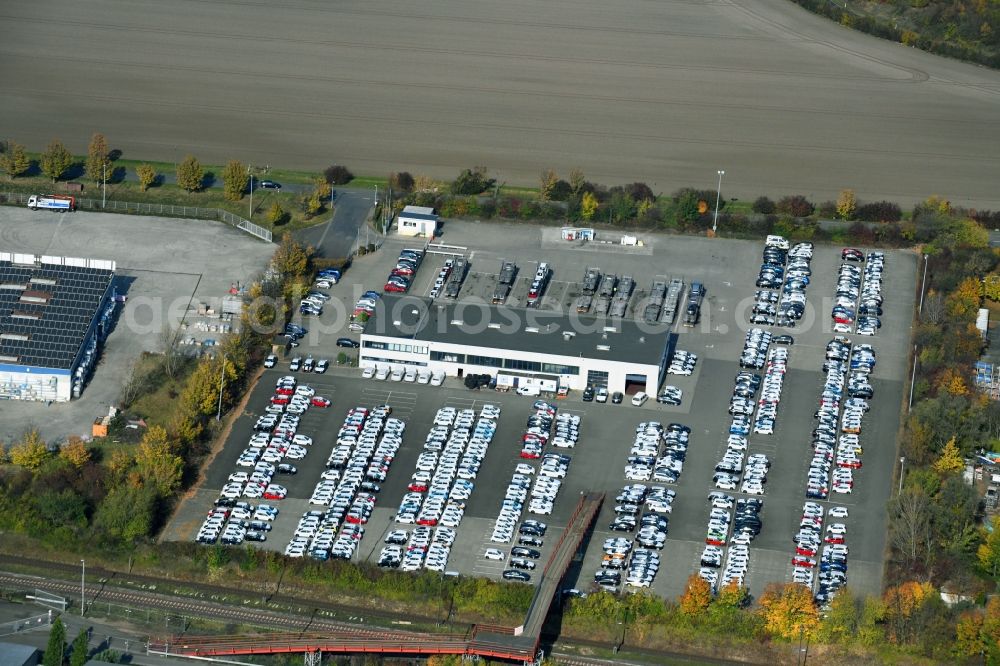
x,y
54,312
416,221
517,346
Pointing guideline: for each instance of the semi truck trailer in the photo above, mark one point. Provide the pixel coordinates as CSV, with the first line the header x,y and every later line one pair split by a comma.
x,y
51,202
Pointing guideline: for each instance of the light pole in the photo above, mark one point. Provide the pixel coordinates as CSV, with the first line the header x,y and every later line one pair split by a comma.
x,y
718,195
104,184
923,285
913,378
222,379
902,465
83,583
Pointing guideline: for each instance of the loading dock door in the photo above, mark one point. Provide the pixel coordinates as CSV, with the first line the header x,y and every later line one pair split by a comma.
x,y
634,384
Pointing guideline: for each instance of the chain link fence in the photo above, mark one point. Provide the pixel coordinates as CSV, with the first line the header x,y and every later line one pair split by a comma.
x,y
157,209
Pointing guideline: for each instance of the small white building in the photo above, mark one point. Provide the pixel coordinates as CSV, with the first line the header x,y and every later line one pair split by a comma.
x,y
416,221
516,347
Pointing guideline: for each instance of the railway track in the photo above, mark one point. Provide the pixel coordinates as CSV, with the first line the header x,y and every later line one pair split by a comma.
x,y
181,606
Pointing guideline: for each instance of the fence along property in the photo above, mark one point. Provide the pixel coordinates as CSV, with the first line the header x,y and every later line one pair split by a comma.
x,y
157,209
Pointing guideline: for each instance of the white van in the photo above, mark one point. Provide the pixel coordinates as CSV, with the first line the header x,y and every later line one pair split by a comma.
x,y
639,399
529,390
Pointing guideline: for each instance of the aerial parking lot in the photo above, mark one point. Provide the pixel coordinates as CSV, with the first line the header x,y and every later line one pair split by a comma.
x,y
613,440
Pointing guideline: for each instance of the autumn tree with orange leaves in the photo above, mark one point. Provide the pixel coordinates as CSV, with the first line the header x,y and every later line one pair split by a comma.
x,y
788,610
697,596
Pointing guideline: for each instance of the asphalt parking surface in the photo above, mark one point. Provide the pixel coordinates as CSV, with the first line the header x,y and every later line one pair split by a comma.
x,y
728,269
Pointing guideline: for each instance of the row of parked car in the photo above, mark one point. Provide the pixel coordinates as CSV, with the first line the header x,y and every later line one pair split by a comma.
x,y
233,522
755,344
399,373
683,363
870,303
858,297
446,469
401,276
770,391
831,547
365,447
745,524
788,269
657,453
421,548
836,437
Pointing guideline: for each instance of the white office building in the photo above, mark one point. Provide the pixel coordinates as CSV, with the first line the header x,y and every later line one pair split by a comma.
x,y
416,221
517,347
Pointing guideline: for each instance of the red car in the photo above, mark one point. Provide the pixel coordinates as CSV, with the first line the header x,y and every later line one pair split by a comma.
x,y
806,551
389,286
417,486
430,522
279,399
320,401
803,562
834,538
853,464
269,495
285,390
715,542
531,455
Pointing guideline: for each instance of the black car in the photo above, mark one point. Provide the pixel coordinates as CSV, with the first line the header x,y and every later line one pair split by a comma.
x,y
347,342
588,394
783,340
285,468
530,541
617,397
268,185
518,551
256,536
514,574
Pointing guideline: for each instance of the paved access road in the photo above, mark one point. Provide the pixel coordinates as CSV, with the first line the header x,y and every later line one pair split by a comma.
x,y
665,92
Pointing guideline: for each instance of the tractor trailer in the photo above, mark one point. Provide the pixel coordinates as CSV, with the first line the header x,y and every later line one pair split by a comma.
x,y
51,202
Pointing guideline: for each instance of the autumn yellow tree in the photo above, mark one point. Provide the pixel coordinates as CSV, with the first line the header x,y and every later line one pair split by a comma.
x,y
840,622
146,175
991,286
588,205
74,451
201,392
291,258
547,183
964,301
988,552
950,461
951,382
903,599
30,451
788,610
732,595
969,635
847,202
697,596
97,166
156,461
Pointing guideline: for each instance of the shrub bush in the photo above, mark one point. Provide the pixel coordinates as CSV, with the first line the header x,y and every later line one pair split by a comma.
x,y
764,206
879,211
402,181
472,181
796,205
337,174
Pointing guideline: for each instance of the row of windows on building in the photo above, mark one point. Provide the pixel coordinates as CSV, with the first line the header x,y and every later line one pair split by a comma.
x,y
395,346
505,363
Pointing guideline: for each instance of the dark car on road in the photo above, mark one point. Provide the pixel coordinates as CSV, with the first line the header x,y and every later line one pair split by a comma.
x,y
268,185
347,342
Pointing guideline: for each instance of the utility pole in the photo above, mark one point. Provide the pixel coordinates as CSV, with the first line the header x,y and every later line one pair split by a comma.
x,y
83,584
250,171
923,285
104,184
902,465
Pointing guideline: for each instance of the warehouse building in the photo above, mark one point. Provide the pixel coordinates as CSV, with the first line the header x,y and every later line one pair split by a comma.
x,y
517,347
54,313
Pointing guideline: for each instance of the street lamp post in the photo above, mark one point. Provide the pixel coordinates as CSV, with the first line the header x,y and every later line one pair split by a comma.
x,y
902,465
718,195
923,285
222,380
83,583
104,184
